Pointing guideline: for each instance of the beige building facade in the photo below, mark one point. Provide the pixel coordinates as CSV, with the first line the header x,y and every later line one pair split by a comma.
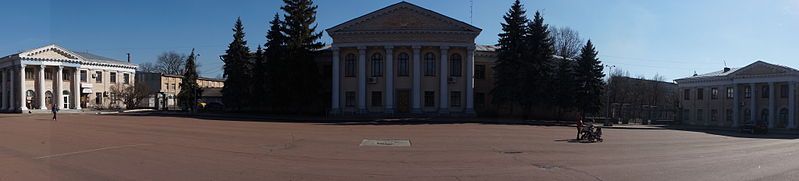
x,y
52,75
164,88
758,92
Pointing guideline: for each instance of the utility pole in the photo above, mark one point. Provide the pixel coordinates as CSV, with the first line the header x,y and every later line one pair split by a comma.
x,y
610,76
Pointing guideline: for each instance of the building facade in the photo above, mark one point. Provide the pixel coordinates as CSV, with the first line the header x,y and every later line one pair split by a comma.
x,y
758,92
164,88
52,75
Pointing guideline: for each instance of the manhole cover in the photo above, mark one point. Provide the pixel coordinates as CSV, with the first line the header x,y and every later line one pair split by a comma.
x,y
386,142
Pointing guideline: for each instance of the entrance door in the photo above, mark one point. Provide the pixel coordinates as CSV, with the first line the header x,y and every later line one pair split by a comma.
x,y
403,101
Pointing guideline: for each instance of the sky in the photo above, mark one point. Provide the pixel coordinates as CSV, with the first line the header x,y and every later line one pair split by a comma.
x,y
673,39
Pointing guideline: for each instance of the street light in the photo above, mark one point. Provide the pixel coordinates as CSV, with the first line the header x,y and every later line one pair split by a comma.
x,y
610,71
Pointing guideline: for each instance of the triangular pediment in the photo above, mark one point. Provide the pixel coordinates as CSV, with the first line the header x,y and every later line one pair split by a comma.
x,y
403,16
50,52
763,68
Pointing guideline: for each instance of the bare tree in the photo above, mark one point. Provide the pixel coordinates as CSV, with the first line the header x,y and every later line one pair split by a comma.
x,y
567,42
148,67
130,95
171,63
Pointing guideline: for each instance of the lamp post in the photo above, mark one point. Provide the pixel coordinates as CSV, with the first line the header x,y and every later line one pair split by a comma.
x,y
610,71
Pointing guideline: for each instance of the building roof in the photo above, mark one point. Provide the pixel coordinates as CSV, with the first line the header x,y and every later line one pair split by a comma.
x,y
198,78
728,72
402,4
55,52
101,59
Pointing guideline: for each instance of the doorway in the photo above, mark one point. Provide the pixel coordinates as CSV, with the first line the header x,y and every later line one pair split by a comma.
x,y
403,101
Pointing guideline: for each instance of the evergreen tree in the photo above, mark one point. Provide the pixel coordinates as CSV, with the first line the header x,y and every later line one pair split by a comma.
x,y
564,84
276,69
235,93
301,38
589,79
538,65
258,88
511,50
189,89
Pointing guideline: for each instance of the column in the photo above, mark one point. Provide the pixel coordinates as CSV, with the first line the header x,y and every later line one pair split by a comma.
x,y
362,79
470,80
753,103
41,90
736,106
21,100
389,79
771,104
417,81
3,89
443,89
58,91
76,87
11,95
334,103
792,105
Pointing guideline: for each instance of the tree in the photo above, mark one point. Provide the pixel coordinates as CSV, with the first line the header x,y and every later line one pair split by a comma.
x,y
589,78
235,92
148,67
567,42
537,67
259,85
302,88
189,89
171,63
131,95
274,65
510,52
565,85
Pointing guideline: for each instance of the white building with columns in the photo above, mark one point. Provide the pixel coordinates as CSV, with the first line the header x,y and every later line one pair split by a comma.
x,y
52,75
758,92
403,59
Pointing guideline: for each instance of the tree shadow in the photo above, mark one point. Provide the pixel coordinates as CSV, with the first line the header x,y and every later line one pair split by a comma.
x,y
729,132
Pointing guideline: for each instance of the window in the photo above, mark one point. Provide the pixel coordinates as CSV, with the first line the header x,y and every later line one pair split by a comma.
x,y
686,94
728,115
455,65
714,93
126,78
377,98
349,99
479,99
429,99
455,99
686,114
784,91
99,77
377,65
430,64
166,86
730,92
113,77
747,116
65,75
764,93
700,94
402,65
98,99
174,87
83,75
783,118
748,92
349,65
48,74
479,71
29,74
699,114
714,115
764,115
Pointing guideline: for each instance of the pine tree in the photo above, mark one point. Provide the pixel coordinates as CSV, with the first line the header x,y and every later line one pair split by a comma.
x,y
189,89
589,79
564,84
235,93
301,38
510,52
538,65
276,68
258,77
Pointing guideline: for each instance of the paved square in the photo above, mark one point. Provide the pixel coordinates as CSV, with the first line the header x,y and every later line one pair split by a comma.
x,y
120,147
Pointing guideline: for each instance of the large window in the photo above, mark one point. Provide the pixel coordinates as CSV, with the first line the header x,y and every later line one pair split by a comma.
x,y
99,77
455,99
349,99
48,74
349,65
783,118
714,93
430,64
126,78
730,92
377,98
29,74
479,71
686,94
748,92
765,92
83,77
728,115
113,77
377,65
700,115
784,91
455,65
700,94
714,115
747,116
402,65
429,99
66,75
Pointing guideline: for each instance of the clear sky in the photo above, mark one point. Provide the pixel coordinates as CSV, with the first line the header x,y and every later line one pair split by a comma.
x,y
670,38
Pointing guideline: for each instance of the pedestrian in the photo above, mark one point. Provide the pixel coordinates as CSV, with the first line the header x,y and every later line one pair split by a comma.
x,y
579,125
55,110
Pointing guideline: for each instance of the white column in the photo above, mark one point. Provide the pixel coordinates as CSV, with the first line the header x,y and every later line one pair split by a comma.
x,y
362,79
41,90
4,89
76,87
334,103
389,79
22,106
443,89
736,106
59,83
753,103
12,103
792,105
771,104
417,81
470,80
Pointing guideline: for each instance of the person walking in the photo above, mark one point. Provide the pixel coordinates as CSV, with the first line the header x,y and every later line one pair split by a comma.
x,y
55,110
579,125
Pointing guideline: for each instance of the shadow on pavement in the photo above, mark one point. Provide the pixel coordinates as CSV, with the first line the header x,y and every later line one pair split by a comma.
x,y
773,134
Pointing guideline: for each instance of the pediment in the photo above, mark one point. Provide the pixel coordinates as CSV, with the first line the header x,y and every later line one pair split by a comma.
x,y
403,16
762,68
50,52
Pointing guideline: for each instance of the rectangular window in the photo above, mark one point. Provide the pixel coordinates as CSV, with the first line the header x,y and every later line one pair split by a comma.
x,y
65,75
429,99
748,92
402,65
686,94
728,115
174,87
99,99
166,86
377,65
700,115
455,99
784,91
686,115
113,77
349,99
98,77
126,78
714,93
430,66
764,93
349,68
48,74
700,94
479,99
83,77
714,115
377,98
479,71
730,92
455,66
29,74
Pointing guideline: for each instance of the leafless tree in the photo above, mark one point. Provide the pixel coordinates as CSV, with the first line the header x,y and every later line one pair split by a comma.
x,y
148,67
130,95
171,63
567,42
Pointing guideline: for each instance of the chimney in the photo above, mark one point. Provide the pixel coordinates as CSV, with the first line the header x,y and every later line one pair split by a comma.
x,y
726,69
128,57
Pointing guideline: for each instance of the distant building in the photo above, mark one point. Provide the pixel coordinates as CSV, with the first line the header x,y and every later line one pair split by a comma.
x,y
758,92
637,100
41,77
164,88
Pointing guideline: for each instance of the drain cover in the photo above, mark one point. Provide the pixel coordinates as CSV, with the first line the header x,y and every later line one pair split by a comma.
x,y
386,142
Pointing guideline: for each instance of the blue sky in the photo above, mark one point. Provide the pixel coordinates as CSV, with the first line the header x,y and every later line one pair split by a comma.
x,y
670,38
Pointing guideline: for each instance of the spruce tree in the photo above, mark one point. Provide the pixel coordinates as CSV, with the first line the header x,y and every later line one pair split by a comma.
x,y
537,69
564,85
189,89
511,47
304,83
258,88
589,79
235,93
276,67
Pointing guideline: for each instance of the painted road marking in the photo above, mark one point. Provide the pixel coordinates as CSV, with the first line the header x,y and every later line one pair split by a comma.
x,y
386,142
92,150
